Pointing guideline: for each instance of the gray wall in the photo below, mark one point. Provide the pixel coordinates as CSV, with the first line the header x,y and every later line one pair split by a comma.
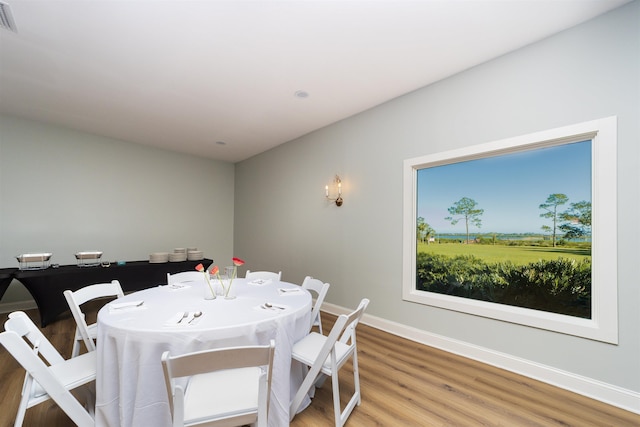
x,y
63,191
282,221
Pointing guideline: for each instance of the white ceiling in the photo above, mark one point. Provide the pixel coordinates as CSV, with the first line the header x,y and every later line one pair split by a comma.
x,y
184,75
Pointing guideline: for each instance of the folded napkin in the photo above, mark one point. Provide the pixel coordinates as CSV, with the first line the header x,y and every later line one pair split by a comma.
x,y
184,318
289,291
260,282
177,319
271,307
177,286
117,307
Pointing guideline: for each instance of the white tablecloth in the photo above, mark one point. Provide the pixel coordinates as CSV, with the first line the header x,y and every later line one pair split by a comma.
x,y
130,387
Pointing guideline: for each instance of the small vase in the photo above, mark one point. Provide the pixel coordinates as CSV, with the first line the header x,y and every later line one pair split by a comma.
x,y
226,290
230,272
230,291
209,291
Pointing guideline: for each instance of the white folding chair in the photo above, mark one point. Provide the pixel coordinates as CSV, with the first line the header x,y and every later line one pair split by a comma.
x,y
226,387
51,380
264,275
75,299
185,276
320,289
325,355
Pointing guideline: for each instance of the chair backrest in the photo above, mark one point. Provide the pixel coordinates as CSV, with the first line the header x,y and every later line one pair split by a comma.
x,y
51,380
19,323
320,289
91,292
206,361
344,331
264,275
329,358
185,276
349,332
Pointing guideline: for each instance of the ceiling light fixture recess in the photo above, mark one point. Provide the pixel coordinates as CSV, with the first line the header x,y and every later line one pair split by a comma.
x,y
301,94
221,143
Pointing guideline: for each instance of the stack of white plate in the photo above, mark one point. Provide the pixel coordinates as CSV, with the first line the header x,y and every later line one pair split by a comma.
x,y
158,257
193,254
178,255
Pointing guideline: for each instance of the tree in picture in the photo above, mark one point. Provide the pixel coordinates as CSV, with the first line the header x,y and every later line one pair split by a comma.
x,y
577,220
424,231
465,208
551,208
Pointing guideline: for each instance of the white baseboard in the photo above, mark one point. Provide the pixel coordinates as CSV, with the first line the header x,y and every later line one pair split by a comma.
x,y
9,307
613,395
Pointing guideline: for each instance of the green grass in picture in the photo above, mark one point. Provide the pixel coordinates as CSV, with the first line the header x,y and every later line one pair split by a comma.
x,y
556,280
518,255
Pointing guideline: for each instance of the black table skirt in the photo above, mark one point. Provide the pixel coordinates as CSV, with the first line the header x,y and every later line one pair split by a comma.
x,y
6,276
47,286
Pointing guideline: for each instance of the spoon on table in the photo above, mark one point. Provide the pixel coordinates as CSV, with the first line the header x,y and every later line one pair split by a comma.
x,y
268,305
195,316
184,316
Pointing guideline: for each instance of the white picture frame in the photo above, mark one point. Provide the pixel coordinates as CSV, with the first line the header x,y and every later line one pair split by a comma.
x,y
603,324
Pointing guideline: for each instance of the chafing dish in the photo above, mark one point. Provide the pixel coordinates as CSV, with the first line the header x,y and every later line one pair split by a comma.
x,y
88,258
38,261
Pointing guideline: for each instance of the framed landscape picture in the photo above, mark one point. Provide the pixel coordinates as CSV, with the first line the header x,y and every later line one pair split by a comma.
x,y
521,230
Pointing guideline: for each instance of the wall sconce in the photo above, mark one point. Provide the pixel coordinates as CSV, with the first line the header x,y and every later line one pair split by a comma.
x,y
338,200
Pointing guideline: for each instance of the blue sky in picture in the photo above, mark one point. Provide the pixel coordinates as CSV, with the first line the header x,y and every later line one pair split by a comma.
x,y
510,188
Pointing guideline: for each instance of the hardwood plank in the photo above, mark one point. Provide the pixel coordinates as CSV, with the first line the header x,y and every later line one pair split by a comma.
x,y
403,383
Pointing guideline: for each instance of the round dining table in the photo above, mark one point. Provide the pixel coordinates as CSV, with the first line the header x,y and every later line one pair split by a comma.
x,y
135,330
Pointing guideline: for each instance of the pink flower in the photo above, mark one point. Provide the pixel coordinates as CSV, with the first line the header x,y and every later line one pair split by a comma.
x,y
236,263
201,269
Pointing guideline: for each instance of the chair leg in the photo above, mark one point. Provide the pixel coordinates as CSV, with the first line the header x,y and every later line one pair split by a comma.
x,y
21,412
263,405
336,398
307,383
76,344
320,381
72,407
89,399
356,376
22,407
340,415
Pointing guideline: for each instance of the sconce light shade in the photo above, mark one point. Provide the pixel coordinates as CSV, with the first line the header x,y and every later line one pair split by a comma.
x,y
338,199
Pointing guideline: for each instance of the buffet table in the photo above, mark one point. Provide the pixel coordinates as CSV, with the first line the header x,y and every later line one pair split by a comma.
x,y
47,285
134,331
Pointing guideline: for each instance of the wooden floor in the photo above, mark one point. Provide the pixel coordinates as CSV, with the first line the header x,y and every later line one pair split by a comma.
x,y
403,384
